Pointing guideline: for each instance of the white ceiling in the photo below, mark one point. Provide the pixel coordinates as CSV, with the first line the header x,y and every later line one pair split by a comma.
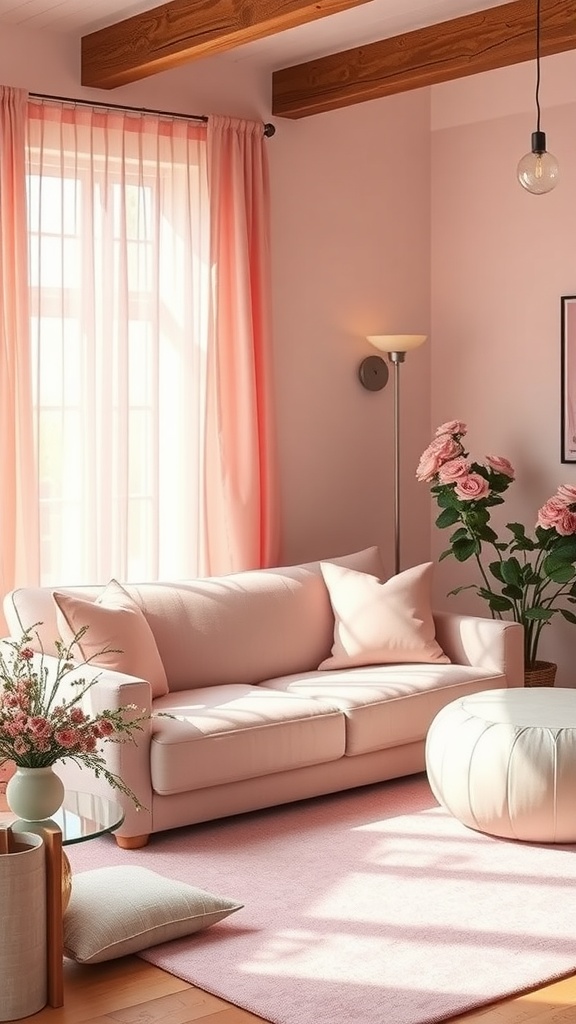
x,y
377,19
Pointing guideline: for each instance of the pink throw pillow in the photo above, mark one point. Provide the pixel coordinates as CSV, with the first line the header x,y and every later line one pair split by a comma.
x,y
114,620
381,622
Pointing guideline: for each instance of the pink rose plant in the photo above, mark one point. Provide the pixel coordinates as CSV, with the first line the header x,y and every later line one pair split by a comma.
x,y
529,578
42,718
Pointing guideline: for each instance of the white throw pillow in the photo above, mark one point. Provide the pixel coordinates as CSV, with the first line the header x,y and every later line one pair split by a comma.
x,y
381,622
119,910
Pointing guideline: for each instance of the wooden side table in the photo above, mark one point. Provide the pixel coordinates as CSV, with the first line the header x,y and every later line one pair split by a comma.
x,y
82,816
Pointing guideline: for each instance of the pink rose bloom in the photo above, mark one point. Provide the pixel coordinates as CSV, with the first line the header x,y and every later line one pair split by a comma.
x,y
20,746
472,487
106,727
501,465
39,726
566,493
12,729
77,716
550,513
26,653
452,427
453,470
428,466
566,525
554,515
66,737
445,448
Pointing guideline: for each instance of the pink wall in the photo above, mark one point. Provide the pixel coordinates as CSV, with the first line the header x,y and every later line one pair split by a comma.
x,y
351,257
501,259
47,62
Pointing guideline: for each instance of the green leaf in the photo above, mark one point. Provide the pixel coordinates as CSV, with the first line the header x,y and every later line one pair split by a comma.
x,y
556,560
464,549
447,518
499,604
547,539
446,498
514,593
562,574
478,517
458,590
539,614
496,570
568,615
566,546
459,534
499,482
518,529
525,544
512,572
486,533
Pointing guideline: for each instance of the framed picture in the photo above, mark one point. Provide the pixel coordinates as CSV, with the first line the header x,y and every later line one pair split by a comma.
x,y
568,377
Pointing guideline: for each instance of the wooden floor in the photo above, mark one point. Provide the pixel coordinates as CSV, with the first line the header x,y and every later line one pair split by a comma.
x,y
131,991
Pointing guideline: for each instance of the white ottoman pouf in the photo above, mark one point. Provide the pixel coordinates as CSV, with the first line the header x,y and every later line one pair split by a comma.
x,y
504,762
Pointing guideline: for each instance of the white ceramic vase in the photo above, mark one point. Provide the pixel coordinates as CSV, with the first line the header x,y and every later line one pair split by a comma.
x,y
35,793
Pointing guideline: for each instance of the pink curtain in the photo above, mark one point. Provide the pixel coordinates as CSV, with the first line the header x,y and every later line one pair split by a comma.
x,y
136,430
241,494
19,536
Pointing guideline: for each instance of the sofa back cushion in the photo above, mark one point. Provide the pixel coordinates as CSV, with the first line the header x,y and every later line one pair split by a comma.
x,y
242,628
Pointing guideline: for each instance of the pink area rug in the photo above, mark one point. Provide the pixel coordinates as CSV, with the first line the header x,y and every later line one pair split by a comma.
x,y
373,906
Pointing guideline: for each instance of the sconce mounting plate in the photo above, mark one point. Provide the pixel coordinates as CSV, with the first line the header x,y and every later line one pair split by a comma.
x,y
373,373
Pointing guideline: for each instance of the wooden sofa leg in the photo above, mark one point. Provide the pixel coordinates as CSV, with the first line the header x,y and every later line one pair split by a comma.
x,y
132,842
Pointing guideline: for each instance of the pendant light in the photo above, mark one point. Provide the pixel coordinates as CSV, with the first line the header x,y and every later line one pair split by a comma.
x,y
538,170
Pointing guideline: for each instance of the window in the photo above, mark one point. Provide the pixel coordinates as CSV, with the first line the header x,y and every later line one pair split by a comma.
x,y
119,296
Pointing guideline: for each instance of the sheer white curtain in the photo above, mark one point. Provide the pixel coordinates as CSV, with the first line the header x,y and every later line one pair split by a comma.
x,y
118,224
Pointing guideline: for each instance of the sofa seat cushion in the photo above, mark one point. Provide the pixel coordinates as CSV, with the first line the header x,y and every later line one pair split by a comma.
x,y
388,705
226,733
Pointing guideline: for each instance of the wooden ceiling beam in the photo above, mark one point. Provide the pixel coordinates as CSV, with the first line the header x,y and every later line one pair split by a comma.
x,y
483,41
182,30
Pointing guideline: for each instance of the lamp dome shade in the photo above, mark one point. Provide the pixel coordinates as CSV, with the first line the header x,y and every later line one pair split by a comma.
x,y
396,342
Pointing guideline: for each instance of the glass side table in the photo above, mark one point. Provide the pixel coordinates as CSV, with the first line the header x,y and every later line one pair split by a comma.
x,y
82,816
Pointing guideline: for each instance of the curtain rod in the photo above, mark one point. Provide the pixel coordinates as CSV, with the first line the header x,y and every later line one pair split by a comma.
x,y
269,129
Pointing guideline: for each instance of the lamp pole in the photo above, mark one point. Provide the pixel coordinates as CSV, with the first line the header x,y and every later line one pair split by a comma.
x,y
396,358
373,374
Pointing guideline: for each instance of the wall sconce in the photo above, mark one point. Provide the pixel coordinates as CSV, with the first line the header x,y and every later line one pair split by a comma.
x,y
373,373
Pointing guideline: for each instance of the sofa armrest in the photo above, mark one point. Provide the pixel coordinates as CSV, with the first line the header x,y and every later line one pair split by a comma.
x,y
130,759
493,644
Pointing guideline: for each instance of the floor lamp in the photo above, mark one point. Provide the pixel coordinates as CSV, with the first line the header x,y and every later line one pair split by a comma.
x,y
373,374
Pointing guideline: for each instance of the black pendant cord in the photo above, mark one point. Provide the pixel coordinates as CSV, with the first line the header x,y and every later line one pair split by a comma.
x,y
537,65
269,129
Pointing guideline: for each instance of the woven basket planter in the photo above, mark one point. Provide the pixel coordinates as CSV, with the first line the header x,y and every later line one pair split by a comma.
x,y
23,963
543,674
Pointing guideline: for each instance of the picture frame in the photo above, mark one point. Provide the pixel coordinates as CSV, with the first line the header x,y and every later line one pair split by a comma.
x,y
568,378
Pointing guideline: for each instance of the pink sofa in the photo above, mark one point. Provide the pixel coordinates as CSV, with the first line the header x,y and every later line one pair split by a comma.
x,y
257,724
